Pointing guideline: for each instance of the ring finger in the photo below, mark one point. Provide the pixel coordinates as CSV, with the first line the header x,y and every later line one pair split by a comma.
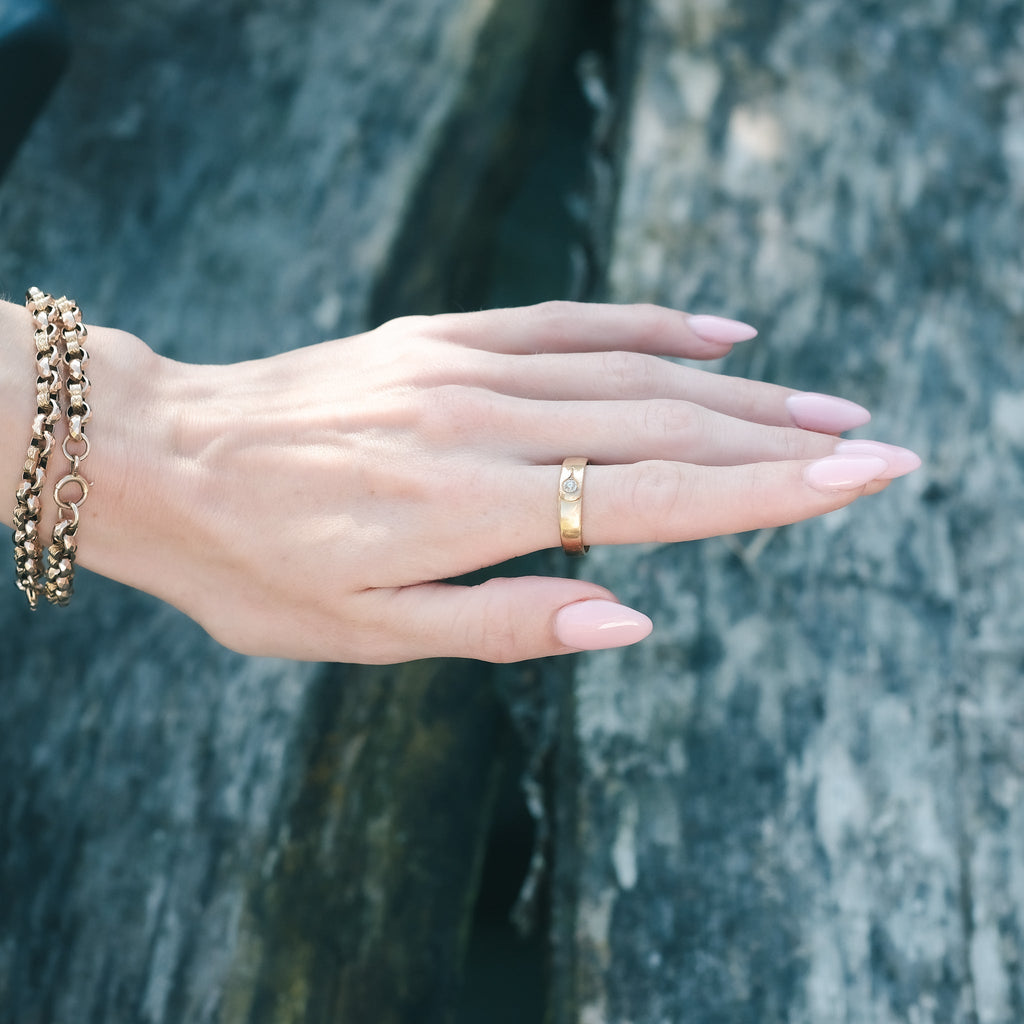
x,y
667,502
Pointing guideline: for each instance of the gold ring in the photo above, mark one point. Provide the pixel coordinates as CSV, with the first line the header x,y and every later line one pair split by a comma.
x,y
570,505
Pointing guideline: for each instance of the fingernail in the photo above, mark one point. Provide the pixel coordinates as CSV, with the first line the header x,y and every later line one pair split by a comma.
x,y
899,460
721,330
825,413
598,625
844,472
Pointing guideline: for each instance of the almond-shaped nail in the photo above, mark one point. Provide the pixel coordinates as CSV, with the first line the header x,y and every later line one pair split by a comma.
x,y
719,329
597,625
844,472
825,413
899,460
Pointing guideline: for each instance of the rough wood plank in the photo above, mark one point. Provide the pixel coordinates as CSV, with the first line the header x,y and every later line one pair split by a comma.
x,y
802,801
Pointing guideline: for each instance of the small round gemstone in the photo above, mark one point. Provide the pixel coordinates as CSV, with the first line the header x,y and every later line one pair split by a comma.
x,y
570,486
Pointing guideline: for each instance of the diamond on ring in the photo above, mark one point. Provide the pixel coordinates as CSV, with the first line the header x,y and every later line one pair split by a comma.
x,y
570,505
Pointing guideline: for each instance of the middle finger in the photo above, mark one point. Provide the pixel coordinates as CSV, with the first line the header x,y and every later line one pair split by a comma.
x,y
542,432
596,376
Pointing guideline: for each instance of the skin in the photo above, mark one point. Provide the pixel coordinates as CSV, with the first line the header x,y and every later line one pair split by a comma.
x,y
306,505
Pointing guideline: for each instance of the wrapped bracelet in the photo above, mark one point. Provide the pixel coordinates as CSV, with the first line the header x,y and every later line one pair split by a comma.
x,y
28,547
59,336
60,571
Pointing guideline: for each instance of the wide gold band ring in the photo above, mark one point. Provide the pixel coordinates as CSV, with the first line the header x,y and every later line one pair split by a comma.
x,y
570,505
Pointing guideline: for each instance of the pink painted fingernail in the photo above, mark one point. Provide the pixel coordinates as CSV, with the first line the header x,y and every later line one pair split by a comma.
x,y
899,460
598,625
844,472
721,330
825,413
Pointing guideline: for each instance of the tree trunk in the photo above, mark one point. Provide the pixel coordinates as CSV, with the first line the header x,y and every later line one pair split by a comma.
x,y
190,835
801,800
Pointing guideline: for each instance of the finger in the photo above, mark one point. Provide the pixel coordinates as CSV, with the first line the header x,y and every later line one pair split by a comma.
x,y
636,431
592,327
666,502
509,620
503,511
599,376
501,620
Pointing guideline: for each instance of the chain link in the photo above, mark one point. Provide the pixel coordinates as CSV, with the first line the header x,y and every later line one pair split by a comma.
x,y
58,339
60,569
28,546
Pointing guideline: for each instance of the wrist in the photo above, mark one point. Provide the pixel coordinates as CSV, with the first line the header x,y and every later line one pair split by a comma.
x,y
17,401
131,461
133,469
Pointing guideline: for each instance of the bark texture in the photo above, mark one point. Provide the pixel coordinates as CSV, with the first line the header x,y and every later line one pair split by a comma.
x,y
802,800
186,834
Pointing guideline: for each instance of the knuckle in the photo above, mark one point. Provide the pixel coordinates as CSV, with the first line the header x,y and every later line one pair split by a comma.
x,y
667,420
490,629
556,316
658,489
403,335
556,309
450,412
416,323
499,643
627,372
653,326
793,444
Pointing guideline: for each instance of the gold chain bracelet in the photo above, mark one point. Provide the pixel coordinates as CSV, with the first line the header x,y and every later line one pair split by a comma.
x,y
58,338
61,569
28,546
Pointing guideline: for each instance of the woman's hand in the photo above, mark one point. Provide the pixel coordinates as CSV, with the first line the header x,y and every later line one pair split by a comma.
x,y
311,504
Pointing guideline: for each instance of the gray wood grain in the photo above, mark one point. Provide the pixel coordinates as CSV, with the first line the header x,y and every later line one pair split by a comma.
x,y
187,834
801,801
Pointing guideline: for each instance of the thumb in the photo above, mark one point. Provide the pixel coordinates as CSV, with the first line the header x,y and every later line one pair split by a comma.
x,y
505,620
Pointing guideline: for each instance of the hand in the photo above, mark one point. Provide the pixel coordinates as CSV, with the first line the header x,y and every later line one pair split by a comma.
x,y
309,505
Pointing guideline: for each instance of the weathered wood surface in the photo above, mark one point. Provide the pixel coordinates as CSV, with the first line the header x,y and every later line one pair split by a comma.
x,y
185,834
803,800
